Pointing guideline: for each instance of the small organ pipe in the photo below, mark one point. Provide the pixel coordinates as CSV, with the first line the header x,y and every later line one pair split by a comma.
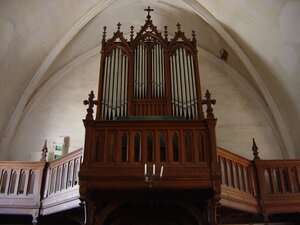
x,y
194,87
104,89
107,87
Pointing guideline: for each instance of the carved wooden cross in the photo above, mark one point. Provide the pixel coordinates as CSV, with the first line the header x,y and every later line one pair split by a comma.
x,y
148,10
91,102
209,102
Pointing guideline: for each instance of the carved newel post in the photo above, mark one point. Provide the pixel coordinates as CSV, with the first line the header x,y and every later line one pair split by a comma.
x,y
44,152
254,150
209,102
91,102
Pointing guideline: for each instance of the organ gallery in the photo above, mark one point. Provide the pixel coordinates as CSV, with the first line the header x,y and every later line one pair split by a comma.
x,y
150,154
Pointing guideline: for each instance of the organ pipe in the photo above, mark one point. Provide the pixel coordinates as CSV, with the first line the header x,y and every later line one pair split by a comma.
x,y
115,81
114,91
157,66
183,88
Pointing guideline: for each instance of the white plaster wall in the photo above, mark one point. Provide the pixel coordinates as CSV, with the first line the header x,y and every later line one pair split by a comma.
x,y
239,116
28,31
60,111
269,33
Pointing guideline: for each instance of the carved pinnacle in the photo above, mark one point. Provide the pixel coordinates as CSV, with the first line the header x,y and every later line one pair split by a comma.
x,y
254,150
178,26
131,33
193,34
119,26
166,33
104,34
44,152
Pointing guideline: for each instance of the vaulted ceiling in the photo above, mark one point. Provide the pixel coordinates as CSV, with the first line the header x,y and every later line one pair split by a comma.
x,y
40,39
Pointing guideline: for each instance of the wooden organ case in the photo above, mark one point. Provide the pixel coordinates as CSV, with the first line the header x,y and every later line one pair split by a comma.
x,y
149,115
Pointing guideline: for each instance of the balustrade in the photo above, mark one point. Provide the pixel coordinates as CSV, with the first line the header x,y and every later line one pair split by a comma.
x,y
278,178
150,142
279,182
236,171
238,189
21,184
20,187
19,178
62,183
244,182
62,173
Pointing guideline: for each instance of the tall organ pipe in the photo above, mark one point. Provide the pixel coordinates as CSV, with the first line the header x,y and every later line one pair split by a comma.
x,y
184,100
114,94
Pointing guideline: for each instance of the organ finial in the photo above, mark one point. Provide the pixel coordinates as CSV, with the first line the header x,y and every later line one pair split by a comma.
x,y
166,33
148,10
254,150
209,102
131,33
119,26
91,102
104,34
178,26
194,37
193,34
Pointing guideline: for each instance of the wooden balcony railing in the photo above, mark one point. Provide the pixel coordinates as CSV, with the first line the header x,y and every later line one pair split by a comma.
x,y
279,182
161,142
260,186
40,188
238,189
20,188
120,148
62,184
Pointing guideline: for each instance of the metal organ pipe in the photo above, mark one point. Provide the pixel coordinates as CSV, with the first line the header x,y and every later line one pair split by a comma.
x,y
158,72
184,98
114,95
140,72
115,81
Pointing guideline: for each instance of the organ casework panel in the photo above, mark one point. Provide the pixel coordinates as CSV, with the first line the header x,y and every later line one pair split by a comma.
x,y
149,75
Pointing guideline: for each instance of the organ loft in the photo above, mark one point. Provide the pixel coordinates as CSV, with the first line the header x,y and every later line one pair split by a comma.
x,y
150,154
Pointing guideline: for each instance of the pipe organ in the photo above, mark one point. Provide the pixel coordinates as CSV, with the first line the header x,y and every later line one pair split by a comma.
x,y
149,111
149,75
